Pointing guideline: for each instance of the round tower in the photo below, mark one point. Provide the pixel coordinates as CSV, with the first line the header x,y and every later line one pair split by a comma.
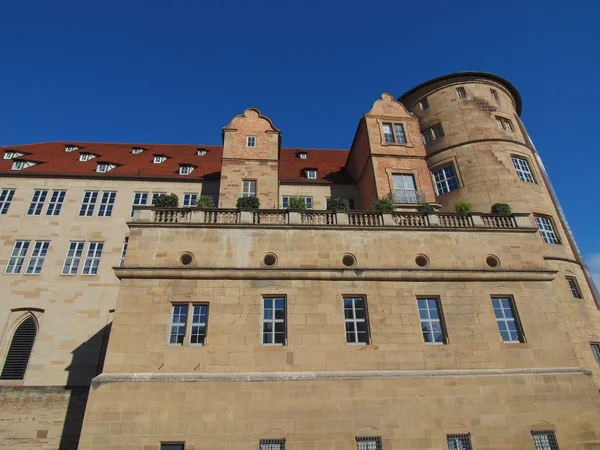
x,y
478,151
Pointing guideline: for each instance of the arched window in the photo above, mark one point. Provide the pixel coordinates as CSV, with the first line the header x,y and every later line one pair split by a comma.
x,y
19,351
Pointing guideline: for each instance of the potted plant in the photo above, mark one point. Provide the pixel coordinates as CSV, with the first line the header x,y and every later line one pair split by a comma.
x,y
463,207
383,205
248,203
425,208
205,202
501,208
338,204
167,201
296,202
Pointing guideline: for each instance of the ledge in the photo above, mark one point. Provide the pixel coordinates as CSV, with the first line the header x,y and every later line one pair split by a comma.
x,y
333,375
235,273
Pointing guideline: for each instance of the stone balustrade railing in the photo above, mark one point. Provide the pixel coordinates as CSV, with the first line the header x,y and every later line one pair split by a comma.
x,y
362,219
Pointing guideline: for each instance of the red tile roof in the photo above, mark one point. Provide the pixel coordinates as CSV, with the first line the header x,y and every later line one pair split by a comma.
x,y
52,159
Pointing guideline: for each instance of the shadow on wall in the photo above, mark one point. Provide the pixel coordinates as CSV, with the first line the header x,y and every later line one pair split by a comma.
x,y
87,362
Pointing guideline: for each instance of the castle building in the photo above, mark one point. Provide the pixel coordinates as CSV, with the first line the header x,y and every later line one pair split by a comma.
x,y
128,326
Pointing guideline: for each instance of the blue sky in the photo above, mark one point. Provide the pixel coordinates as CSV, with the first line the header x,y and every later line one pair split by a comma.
x,y
176,72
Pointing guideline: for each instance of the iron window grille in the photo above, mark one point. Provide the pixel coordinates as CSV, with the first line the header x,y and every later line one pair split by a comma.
x,y
17,257
574,287
445,179
38,256
6,197
369,443
272,444
106,204
546,229
56,202
545,440
89,203
19,352
459,441
273,323
432,324
37,202
356,320
507,319
523,169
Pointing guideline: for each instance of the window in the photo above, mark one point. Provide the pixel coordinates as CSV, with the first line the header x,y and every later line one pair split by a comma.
x,y
105,167
6,196
311,174
545,440
424,104
432,134
302,155
56,202
73,258
38,255
178,322
459,441
172,446
139,199
546,228
124,252
432,324
504,124
308,201
574,287
106,204
37,202
272,444
405,190
20,350
368,443
185,170
250,141
393,133
71,148
460,92
445,179
249,188
596,351
523,169
159,159
155,195
17,257
201,152
86,157
190,200
494,94
351,202
506,317
88,204
273,321
355,320
199,321
92,260
137,150
8,154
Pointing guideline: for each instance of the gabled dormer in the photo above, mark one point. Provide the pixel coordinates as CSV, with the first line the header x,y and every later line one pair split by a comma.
x,y
71,148
13,154
137,150
159,159
21,164
185,169
104,167
84,157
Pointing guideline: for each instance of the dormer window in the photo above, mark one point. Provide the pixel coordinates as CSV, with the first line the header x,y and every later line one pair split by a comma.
x,y
250,141
105,167
311,174
201,152
302,155
71,148
137,150
185,169
158,159
83,157
11,154
20,165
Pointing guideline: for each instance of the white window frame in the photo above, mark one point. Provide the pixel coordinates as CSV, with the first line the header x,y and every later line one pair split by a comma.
x,y
37,258
124,251
595,346
190,199
91,262
104,167
20,165
186,169
445,181
178,322
354,320
73,258
159,159
88,203
84,157
107,203
199,322
11,154
17,257
502,305
6,197
523,169
155,195
71,148
432,133
201,152
311,174
249,188
547,230
268,338
56,202
302,155
428,308
137,150
285,201
139,199
409,196
574,287
251,141
38,199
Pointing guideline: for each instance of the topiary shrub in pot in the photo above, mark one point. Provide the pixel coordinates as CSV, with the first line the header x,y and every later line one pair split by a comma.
x,y
296,202
248,203
501,208
383,205
425,208
167,201
338,204
205,202
463,207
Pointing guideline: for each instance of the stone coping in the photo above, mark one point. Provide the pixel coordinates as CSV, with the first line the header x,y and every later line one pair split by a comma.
x,y
331,375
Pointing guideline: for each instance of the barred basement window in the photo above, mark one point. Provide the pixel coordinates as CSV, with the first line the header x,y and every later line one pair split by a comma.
x,y
596,351
369,443
272,444
459,441
574,287
545,440
19,351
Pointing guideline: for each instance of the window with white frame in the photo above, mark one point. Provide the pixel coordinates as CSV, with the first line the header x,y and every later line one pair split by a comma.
x,y
158,159
596,351
89,203
17,257
105,167
38,256
137,150
11,154
92,259
504,123
272,444
56,202
250,141
71,148
433,133
199,322
432,325
178,324
546,229
369,443
459,441
351,201
106,204
249,188
424,104
155,195
73,258
393,133
574,287
124,252
460,92
21,164
139,199
201,152
273,323
494,94
545,440
355,320
523,169
185,169
311,174
6,196
285,201
405,189
37,202
508,322
302,155
84,157
189,199
445,179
